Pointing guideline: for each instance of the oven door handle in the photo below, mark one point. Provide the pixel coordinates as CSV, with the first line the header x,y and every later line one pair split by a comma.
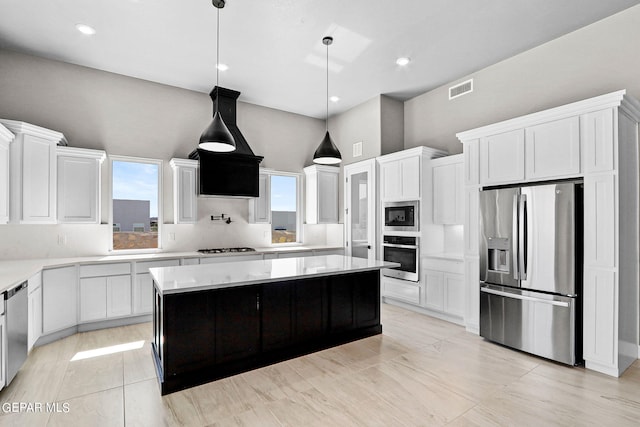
x,y
390,245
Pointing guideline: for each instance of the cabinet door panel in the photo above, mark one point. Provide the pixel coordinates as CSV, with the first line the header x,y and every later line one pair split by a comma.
x,y
143,294
471,201
276,311
341,310
367,301
599,220
597,135
444,194
77,190
193,337
327,198
237,323
260,207
454,297
410,170
35,317
59,299
310,317
38,180
599,333
118,296
553,149
93,299
186,195
391,180
4,182
434,298
472,162
502,158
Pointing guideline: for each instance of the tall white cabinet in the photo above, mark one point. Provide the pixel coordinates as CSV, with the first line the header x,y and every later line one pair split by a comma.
x,y
185,191
33,173
597,140
78,185
6,136
321,184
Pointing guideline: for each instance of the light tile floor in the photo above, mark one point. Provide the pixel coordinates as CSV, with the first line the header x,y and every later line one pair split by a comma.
x,y
420,371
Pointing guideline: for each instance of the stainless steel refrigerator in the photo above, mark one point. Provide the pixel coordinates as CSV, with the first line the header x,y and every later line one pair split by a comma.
x,y
531,269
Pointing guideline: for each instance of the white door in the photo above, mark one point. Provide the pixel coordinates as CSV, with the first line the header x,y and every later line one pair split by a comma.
x,y
360,209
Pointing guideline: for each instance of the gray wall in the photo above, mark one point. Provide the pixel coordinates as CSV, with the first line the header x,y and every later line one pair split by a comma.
x,y
129,212
597,59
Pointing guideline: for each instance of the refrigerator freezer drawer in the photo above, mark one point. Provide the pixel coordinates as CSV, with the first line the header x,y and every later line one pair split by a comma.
x,y
540,324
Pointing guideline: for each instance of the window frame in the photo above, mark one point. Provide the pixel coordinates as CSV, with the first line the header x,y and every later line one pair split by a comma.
x,y
131,159
299,207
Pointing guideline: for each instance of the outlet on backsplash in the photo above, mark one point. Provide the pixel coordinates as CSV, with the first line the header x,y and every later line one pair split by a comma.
x,y
62,239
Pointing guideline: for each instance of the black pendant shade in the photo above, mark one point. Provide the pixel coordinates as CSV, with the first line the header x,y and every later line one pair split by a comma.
x,y
216,137
327,153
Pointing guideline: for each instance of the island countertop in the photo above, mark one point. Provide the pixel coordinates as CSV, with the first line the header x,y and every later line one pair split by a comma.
x,y
190,278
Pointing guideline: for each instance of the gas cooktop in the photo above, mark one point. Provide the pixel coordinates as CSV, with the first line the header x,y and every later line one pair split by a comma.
x,y
224,250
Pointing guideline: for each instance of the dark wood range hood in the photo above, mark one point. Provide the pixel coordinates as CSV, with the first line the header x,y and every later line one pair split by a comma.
x,y
233,174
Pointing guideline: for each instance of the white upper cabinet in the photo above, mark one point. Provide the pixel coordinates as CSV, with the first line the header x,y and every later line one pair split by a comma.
x,y
260,207
448,190
5,143
321,194
597,135
79,172
502,157
553,149
400,178
185,191
33,173
471,163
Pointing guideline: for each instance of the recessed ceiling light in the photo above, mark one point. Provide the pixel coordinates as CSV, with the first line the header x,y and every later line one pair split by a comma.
x,y
85,29
403,61
223,67
334,99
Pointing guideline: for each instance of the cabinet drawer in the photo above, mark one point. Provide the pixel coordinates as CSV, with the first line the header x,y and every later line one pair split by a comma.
x,y
144,266
215,259
445,265
96,270
403,291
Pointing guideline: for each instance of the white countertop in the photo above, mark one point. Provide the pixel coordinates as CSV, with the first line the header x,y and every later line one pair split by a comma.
x,y
14,272
188,278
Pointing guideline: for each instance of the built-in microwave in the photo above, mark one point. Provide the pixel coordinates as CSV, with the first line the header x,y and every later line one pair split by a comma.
x,y
404,250
401,216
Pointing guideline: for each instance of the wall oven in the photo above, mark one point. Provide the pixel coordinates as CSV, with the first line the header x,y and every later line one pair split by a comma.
x,y
401,216
404,250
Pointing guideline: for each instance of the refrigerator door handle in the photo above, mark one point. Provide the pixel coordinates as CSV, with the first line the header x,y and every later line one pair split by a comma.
x,y
514,238
522,237
523,297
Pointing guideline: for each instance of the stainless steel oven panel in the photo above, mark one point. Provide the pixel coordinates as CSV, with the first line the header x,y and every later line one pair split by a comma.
x,y
416,216
540,324
398,273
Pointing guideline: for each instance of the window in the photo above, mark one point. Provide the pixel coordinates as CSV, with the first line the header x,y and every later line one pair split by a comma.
x,y
135,203
285,208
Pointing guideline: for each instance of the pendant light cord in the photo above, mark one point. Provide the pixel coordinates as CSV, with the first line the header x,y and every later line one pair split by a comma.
x,y
327,121
218,56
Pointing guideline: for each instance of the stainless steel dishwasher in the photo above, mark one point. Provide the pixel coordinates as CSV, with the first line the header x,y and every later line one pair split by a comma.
x,y
16,315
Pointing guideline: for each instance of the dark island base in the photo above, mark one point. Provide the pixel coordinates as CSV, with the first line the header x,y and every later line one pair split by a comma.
x,y
205,375
208,335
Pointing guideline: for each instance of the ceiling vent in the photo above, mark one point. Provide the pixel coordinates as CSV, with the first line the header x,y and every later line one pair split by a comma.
x,y
461,89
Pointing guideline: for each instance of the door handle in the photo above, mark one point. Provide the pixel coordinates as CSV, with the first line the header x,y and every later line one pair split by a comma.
x,y
368,246
522,237
523,297
514,238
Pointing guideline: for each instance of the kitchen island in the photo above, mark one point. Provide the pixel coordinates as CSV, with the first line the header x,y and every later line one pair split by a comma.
x,y
213,321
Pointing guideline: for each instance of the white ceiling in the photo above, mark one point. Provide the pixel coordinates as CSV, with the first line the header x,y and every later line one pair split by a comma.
x,y
274,47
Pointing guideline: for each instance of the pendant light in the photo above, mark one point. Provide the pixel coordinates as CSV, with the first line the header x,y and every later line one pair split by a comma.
x,y
327,153
216,137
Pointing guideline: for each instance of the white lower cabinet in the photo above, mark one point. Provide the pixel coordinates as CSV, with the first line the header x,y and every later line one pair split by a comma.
x,y
34,310
600,296
143,294
59,298
402,290
143,283
444,286
105,291
3,348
